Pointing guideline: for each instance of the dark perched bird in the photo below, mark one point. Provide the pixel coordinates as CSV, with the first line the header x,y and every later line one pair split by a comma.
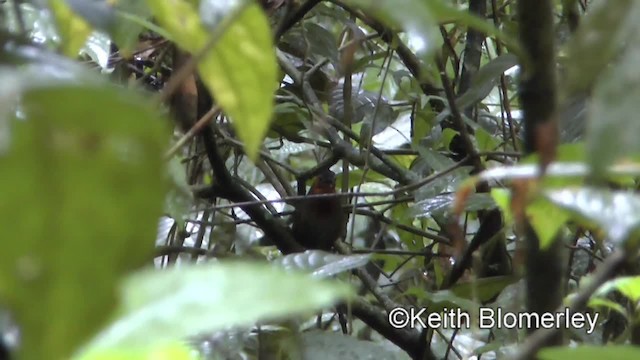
x,y
319,222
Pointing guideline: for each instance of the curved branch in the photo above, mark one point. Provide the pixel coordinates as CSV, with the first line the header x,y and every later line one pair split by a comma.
x,y
273,228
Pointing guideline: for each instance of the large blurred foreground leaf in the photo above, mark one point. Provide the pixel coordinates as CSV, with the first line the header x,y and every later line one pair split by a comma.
x,y
590,353
163,306
169,351
82,191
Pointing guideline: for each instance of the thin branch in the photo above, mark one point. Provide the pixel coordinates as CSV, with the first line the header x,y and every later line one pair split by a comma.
x,y
295,17
458,119
195,129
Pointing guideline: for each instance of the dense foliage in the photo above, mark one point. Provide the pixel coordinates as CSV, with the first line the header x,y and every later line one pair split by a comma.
x,y
153,152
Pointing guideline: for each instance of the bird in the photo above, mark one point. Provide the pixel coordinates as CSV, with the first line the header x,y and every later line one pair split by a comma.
x,y
319,222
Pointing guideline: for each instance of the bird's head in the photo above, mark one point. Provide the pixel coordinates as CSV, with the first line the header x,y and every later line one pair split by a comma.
x,y
325,183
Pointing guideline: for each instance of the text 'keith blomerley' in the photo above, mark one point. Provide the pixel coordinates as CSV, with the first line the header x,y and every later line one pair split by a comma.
x,y
489,318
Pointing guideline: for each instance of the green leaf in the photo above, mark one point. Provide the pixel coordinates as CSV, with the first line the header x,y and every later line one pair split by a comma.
x,y
621,352
628,286
598,303
614,107
242,74
422,125
546,219
413,16
287,121
355,177
85,171
73,30
130,20
616,212
444,13
448,135
322,42
98,14
602,34
486,141
484,289
240,70
98,48
447,299
171,351
212,297
179,199
572,152
485,80
502,197
436,162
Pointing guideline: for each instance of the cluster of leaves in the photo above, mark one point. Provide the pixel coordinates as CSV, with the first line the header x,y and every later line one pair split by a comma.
x,y
89,160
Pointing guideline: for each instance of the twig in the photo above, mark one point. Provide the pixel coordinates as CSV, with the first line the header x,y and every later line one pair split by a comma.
x,y
297,15
195,129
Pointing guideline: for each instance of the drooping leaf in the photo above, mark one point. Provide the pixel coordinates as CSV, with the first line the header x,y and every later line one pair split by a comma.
x,y
322,42
485,80
240,69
